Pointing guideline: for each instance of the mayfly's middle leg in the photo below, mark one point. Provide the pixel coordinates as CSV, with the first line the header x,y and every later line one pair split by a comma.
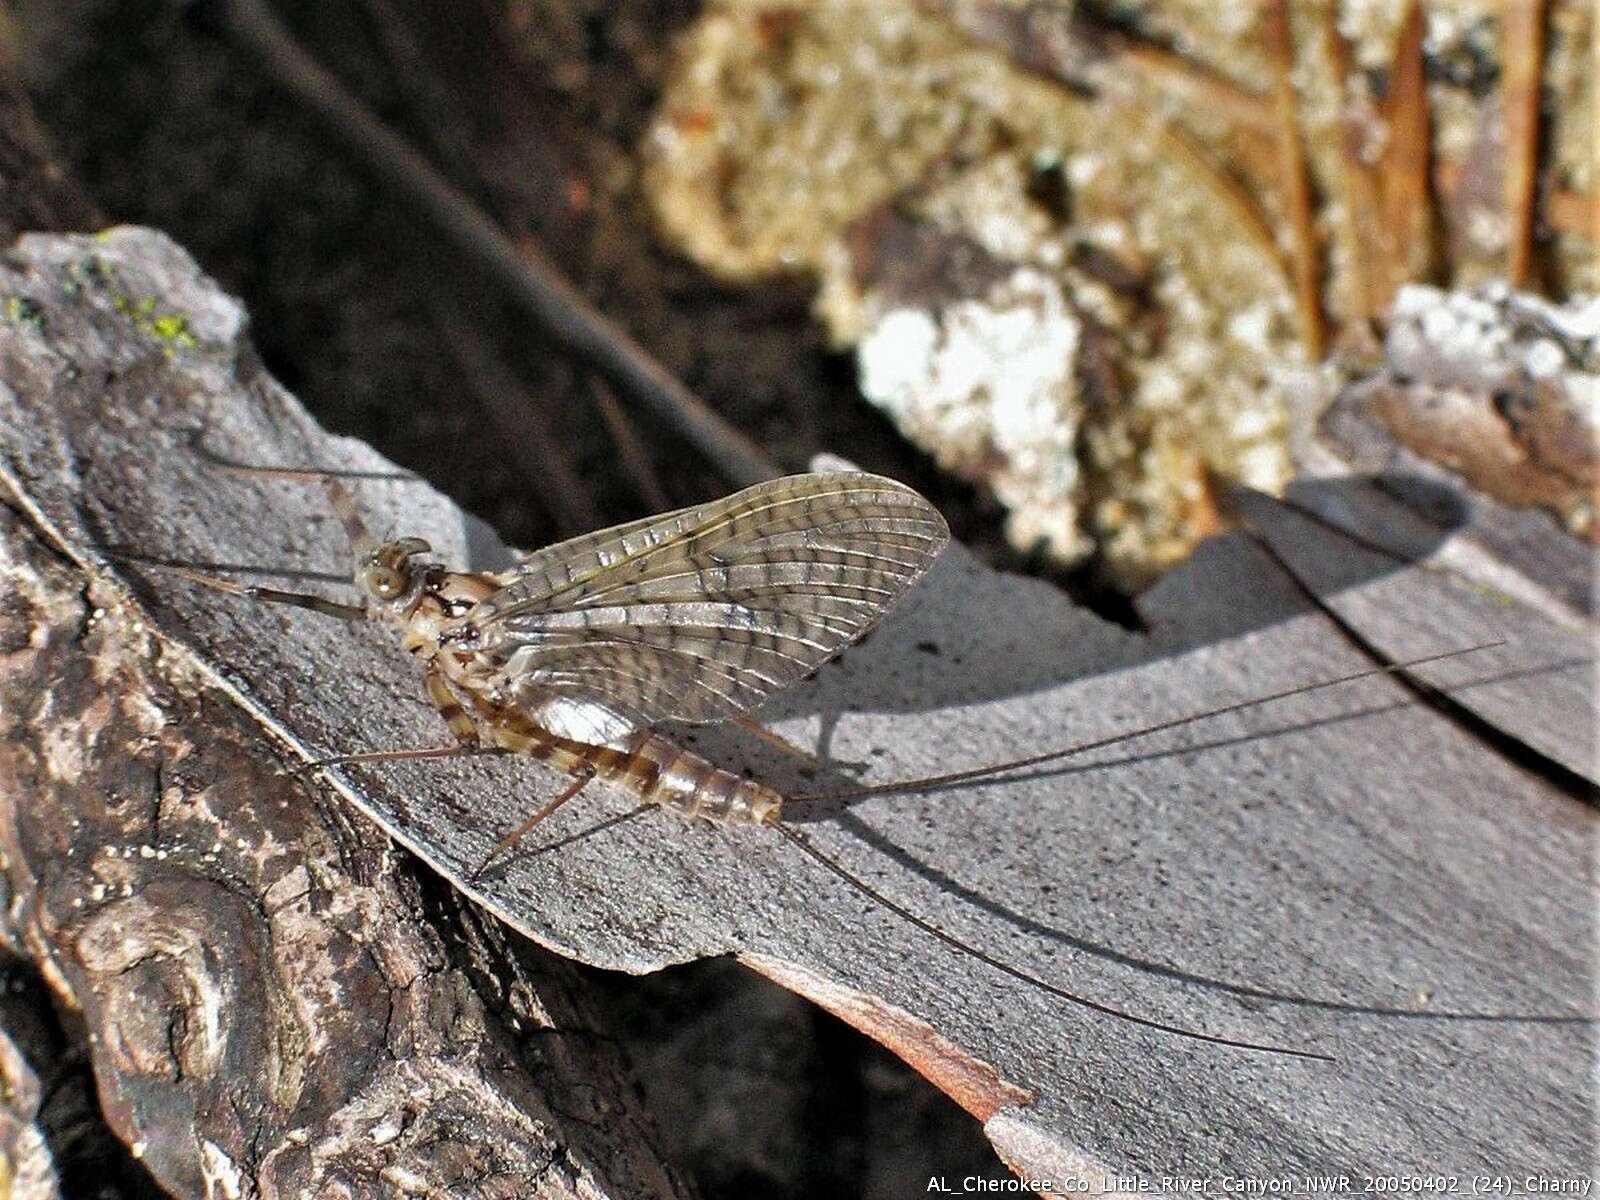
x,y
467,742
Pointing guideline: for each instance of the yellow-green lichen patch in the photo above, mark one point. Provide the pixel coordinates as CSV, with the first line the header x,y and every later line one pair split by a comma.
x,y
21,310
171,329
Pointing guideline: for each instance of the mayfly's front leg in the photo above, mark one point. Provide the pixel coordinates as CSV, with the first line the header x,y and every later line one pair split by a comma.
x,y
444,699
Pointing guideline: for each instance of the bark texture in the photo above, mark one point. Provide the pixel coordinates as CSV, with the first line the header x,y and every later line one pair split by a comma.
x,y
273,1003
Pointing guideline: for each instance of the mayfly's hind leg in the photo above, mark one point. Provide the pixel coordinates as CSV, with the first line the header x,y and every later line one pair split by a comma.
x,y
581,772
751,725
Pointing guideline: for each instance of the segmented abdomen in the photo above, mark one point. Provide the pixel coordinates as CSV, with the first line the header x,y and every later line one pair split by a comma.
x,y
663,773
649,766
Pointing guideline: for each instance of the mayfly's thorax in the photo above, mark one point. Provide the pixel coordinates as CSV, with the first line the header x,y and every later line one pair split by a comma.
x,y
445,600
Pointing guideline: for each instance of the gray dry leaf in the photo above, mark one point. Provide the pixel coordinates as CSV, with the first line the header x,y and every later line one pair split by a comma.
x,y
1347,871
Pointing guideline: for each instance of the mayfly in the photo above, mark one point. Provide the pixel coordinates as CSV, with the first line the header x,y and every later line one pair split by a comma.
x,y
577,652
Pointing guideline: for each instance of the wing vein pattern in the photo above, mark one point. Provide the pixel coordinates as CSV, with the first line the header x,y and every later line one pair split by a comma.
x,y
700,614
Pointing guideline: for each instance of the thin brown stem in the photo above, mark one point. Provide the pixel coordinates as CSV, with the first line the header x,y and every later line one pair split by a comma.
x,y
1359,181
1228,187
1184,145
1522,57
1570,212
545,296
1403,173
1296,181
1215,91
635,455
434,112
521,421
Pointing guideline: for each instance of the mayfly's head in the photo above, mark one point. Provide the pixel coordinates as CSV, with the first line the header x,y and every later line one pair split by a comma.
x,y
387,574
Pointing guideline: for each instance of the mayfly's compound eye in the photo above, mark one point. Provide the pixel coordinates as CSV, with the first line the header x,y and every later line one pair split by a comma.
x,y
386,572
382,581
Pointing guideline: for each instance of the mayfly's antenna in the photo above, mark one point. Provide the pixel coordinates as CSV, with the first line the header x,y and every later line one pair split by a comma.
x,y
211,458
1049,756
949,939
362,542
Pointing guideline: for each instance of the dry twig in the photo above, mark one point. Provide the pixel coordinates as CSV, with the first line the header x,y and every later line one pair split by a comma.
x,y
1360,209
635,456
524,429
1217,91
1404,197
1594,158
1522,53
538,288
1184,144
1295,180
1227,186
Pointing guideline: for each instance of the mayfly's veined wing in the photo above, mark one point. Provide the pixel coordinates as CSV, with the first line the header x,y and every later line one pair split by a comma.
x,y
699,614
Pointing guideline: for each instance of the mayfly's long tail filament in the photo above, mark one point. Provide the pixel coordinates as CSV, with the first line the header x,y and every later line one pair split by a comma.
x,y
955,943
1050,756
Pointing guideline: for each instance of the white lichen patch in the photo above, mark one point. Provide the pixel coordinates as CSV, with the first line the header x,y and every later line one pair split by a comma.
x,y
990,384
784,133
69,746
223,1178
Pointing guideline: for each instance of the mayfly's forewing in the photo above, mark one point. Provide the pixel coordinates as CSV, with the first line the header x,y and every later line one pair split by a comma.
x,y
700,614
